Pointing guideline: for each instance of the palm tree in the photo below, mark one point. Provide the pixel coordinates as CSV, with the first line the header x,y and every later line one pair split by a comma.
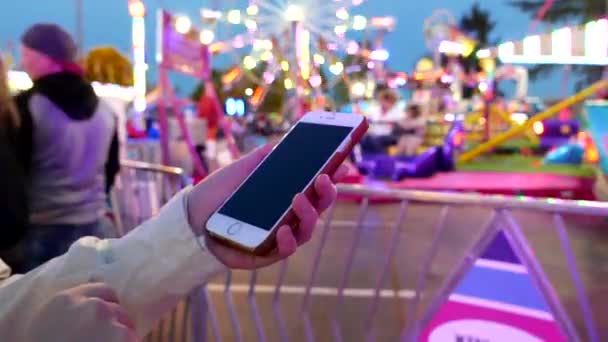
x,y
478,24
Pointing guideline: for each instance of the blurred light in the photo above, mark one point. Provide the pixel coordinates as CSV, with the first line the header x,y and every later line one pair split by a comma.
x,y
249,62
342,14
258,96
370,88
319,59
400,81
358,89
484,53
596,39
183,24
126,94
315,81
268,77
217,47
572,60
386,23
285,65
234,17
447,78
253,10
251,25
357,2
207,37
371,65
359,23
506,50
561,42
352,48
231,75
288,84
483,87
532,46
380,55
19,81
449,47
210,14
592,154
238,42
458,138
303,52
259,44
139,60
519,118
336,68
231,106
449,117
340,29
137,9
266,56
294,13
538,128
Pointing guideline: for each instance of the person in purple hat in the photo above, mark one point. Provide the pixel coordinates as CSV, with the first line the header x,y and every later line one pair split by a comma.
x,y
68,146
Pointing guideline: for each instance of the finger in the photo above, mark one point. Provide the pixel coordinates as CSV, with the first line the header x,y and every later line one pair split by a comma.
x,y
326,193
307,216
286,242
121,315
121,333
99,290
341,173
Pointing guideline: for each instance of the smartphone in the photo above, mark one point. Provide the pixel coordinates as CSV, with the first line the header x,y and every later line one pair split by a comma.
x,y
317,144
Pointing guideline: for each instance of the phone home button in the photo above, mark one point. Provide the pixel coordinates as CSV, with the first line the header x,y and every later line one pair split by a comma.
x,y
234,228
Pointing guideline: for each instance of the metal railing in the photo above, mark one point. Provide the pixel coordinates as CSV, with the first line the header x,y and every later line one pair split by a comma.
x,y
140,190
381,272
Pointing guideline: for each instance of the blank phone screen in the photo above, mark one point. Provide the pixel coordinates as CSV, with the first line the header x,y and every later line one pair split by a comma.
x,y
266,195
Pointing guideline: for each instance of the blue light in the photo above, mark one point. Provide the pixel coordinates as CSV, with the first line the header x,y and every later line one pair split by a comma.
x,y
240,107
231,107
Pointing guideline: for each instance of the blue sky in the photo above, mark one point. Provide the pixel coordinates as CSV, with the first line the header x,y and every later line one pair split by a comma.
x,y
107,23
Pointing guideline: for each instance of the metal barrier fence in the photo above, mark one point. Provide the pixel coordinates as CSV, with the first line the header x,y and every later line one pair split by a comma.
x,y
140,190
380,270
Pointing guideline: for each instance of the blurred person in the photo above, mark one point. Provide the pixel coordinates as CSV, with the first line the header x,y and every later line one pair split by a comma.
x,y
410,131
153,266
382,122
68,146
13,200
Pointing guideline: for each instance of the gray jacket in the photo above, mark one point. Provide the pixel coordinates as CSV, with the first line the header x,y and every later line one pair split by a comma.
x,y
73,140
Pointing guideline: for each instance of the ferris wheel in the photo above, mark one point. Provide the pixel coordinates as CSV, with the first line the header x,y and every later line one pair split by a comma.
x,y
300,43
438,27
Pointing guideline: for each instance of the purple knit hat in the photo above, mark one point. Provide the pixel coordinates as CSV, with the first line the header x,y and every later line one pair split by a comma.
x,y
51,40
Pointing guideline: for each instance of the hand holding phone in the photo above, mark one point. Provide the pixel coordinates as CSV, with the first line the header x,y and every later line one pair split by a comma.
x,y
225,181
252,217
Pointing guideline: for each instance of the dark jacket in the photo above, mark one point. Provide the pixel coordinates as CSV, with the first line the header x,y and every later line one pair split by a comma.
x,y
13,200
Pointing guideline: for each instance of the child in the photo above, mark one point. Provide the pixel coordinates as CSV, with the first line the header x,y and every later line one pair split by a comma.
x,y
410,131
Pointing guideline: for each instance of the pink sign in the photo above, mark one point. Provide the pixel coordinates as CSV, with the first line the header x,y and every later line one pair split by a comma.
x,y
457,321
182,51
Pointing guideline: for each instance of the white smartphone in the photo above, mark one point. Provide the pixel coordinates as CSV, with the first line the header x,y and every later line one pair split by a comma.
x,y
317,144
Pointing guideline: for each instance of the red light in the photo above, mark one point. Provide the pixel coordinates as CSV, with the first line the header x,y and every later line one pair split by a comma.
x,y
538,128
458,139
137,9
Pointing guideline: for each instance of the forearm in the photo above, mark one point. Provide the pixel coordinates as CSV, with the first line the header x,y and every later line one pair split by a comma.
x,y
151,268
